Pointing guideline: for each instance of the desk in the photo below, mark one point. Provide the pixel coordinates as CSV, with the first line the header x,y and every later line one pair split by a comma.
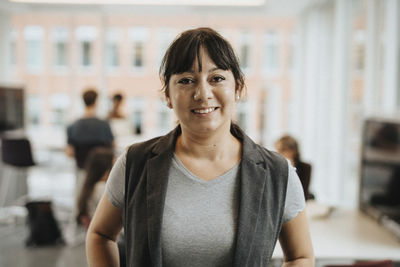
x,y
349,234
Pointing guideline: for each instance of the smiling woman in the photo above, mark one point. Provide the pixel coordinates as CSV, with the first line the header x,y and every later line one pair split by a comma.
x,y
204,98
205,194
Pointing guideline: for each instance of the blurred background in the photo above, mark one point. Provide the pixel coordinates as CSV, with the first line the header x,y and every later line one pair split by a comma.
x,y
315,69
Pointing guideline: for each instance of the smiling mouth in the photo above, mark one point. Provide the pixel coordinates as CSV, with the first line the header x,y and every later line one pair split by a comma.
x,y
203,110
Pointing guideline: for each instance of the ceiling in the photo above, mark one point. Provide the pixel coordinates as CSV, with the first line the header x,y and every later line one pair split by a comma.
x,y
268,7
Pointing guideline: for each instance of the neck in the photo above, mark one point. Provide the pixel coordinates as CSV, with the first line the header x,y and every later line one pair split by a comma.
x,y
217,146
90,111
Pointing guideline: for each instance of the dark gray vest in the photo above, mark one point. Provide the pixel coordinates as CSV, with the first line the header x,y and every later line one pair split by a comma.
x,y
263,181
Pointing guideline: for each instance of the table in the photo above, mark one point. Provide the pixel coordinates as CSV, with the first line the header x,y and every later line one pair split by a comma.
x,y
350,234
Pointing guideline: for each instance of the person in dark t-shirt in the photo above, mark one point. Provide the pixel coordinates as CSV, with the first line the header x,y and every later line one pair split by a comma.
x,y
88,132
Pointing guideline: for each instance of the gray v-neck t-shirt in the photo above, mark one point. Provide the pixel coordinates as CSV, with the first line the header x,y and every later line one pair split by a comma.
x,y
200,217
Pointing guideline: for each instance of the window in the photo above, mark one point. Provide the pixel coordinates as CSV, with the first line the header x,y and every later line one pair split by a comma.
x,y
34,48
137,112
34,104
13,48
86,47
163,117
113,38
111,55
60,51
86,36
59,105
137,122
138,55
244,51
270,59
291,51
359,50
164,38
60,40
138,37
242,115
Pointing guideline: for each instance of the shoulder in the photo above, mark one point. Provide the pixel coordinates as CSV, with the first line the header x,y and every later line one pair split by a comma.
x,y
256,153
98,121
157,145
144,147
270,158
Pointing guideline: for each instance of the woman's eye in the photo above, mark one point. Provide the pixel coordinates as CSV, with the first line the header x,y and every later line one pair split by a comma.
x,y
218,79
185,81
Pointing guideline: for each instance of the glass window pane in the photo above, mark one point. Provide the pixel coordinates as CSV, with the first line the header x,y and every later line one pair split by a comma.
x,y
112,55
244,56
86,53
138,55
60,54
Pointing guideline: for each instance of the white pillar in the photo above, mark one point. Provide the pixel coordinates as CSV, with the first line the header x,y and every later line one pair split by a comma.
x,y
272,111
296,101
312,95
372,69
339,102
390,99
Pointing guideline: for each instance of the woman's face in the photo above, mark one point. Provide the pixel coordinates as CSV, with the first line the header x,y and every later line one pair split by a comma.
x,y
203,101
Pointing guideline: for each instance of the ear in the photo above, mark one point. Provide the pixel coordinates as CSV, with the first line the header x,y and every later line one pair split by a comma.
x,y
168,100
237,95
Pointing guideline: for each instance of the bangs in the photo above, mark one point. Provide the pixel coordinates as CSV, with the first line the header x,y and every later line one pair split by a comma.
x,y
185,50
189,51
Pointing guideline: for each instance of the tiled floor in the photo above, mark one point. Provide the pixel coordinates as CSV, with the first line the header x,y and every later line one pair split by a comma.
x,y
52,179
13,253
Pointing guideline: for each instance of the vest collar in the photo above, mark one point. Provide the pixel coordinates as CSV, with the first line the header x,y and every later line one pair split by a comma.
x,y
250,152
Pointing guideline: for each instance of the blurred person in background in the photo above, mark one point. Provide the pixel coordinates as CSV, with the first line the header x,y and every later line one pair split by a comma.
x,y
115,112
97,167
288,147
120,125
86,134
205,194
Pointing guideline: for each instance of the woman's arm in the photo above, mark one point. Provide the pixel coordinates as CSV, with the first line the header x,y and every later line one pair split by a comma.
x,y
101,246
296,244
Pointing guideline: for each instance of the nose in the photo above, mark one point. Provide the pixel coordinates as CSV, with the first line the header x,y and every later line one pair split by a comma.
x,y
203,92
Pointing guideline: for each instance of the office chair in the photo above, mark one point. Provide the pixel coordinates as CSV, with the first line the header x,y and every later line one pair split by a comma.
x,y
384,263
16,156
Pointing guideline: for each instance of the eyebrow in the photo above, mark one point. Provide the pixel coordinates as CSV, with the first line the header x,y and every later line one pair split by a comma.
x,y
211,70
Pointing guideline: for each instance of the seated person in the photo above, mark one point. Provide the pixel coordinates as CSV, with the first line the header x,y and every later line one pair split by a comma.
x,y
287,146
97,168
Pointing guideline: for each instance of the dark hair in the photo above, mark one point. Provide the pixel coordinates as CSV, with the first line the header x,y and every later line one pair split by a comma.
x,y
98,164
185,49
117,97
89,97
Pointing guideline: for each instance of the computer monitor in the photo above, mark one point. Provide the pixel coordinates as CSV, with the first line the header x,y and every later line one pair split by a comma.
x,y
380,172
12,102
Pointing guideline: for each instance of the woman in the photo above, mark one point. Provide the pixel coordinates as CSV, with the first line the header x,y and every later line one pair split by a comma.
x,y
287,146
204,194
97,168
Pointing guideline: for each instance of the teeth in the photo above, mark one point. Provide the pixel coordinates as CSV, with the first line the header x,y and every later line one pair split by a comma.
x,y
203,111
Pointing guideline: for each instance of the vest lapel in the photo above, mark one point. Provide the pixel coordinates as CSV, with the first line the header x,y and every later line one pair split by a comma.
x,y
252,187
157,182
252,183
